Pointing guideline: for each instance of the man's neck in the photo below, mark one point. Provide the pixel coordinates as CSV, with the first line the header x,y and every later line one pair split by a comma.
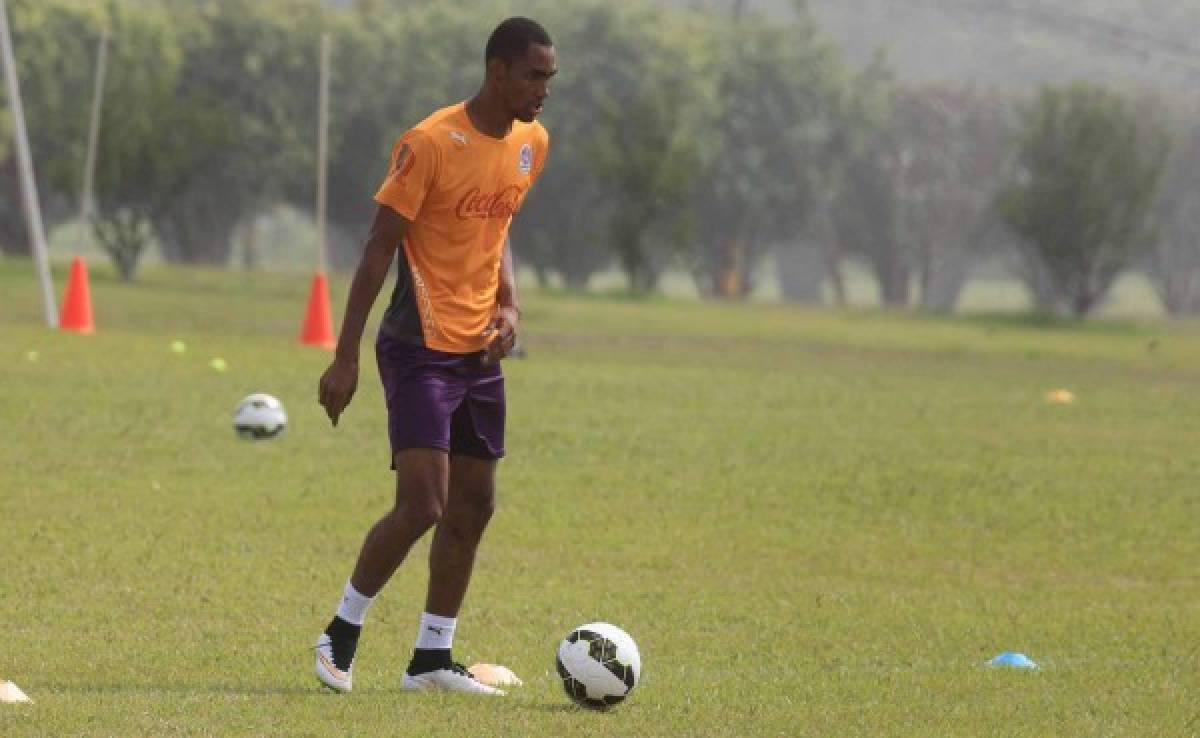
x,y
489,117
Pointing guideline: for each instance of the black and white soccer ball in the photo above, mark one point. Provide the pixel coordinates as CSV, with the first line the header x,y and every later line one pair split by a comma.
x,y
599,664
259,416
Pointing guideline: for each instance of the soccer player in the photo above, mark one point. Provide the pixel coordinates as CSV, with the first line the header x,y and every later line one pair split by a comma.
x,y
457,179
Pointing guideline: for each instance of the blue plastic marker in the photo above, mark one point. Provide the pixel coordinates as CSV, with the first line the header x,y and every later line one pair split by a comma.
x,y
1013,659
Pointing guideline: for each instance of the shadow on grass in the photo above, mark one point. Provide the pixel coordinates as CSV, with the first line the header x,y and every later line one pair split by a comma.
x,y
564,707
238,690
1048,322
233,690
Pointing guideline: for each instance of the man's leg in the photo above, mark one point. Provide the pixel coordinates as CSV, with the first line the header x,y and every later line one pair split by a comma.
x,y
421,489
471,501
421,483
469,506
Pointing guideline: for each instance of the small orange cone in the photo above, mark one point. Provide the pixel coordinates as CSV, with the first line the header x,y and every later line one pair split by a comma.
x,y
77,305
318,321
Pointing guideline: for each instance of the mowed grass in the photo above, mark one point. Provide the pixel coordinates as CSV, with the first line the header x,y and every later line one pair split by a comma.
x,y
813,523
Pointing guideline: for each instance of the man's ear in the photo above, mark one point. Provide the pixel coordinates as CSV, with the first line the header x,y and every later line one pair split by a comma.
x,y
497,70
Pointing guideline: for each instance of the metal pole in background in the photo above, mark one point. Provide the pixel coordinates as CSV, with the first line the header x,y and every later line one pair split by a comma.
x,y
323,154
33,211
86,207
317,329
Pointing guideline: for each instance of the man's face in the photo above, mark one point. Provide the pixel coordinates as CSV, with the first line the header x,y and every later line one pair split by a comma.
x,y
525,84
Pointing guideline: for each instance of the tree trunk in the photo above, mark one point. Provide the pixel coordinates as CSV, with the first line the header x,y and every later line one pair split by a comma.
x,y
14,240
1082,303
943,278
542,275
191,240
801,269
198,228
575,281
1036,278
728,279
893,277
834,256
249,239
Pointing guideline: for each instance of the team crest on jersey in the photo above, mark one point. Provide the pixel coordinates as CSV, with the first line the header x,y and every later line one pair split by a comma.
x,y
404,161
525,163
459,138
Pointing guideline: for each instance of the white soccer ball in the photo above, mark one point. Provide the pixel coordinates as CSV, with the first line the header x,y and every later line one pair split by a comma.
x,y
259,416
599,664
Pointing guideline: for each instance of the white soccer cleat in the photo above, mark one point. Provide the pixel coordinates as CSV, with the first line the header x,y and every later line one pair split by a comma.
x,y
454,679
328,672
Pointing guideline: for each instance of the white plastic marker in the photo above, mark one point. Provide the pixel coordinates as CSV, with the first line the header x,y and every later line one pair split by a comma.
x,y
495,675
12,694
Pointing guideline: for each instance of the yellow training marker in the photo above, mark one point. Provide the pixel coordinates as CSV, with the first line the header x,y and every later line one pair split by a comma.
x,y
1060,397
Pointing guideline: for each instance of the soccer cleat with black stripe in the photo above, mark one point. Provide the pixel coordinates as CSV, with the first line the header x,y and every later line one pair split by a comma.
x,y
335,655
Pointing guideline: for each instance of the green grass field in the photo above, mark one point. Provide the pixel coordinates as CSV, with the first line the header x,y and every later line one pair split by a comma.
x,y
814,523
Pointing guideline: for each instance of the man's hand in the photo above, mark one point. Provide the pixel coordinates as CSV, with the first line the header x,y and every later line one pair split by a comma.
x,y
501,334
337,386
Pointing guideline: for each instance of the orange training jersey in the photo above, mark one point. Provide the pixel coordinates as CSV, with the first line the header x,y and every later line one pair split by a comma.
x,y
459,190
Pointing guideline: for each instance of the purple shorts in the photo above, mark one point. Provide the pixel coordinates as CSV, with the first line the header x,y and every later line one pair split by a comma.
x,y
440,400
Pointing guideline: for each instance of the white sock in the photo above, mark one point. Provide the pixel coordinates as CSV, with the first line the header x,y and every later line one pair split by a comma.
x,y
436,631
354,605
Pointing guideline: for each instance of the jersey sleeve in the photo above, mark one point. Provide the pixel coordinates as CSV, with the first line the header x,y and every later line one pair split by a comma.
x,y
541,151
411,175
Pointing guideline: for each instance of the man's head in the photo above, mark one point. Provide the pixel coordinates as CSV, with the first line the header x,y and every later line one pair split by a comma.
x,y
520,62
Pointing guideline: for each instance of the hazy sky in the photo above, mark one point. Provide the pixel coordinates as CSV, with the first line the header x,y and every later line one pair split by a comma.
x,y
1014,42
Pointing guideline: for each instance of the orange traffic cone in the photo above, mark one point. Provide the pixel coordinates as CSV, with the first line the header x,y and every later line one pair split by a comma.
x,y
318,321
77,305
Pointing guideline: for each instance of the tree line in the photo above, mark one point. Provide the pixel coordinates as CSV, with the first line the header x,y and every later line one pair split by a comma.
x,y
681,138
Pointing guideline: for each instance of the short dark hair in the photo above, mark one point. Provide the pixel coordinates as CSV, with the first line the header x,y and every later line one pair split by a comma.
x,y
513,37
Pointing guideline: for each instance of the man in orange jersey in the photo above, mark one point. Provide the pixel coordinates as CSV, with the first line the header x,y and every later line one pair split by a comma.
x,y
457,179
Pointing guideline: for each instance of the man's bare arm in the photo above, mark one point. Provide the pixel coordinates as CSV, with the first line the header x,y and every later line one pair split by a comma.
x,y
506,295
340,380
503,329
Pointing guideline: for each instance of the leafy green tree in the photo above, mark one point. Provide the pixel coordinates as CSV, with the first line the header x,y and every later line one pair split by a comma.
x,y
245,112
563,227
141,163
916,202
622,124
859,109
1174,263
866,213
55,45
646,151
1082,198
953,145
394,63
772,121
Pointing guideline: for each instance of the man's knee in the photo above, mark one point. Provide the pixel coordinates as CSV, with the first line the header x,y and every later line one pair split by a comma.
x,y
421,479
419,512
467,518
